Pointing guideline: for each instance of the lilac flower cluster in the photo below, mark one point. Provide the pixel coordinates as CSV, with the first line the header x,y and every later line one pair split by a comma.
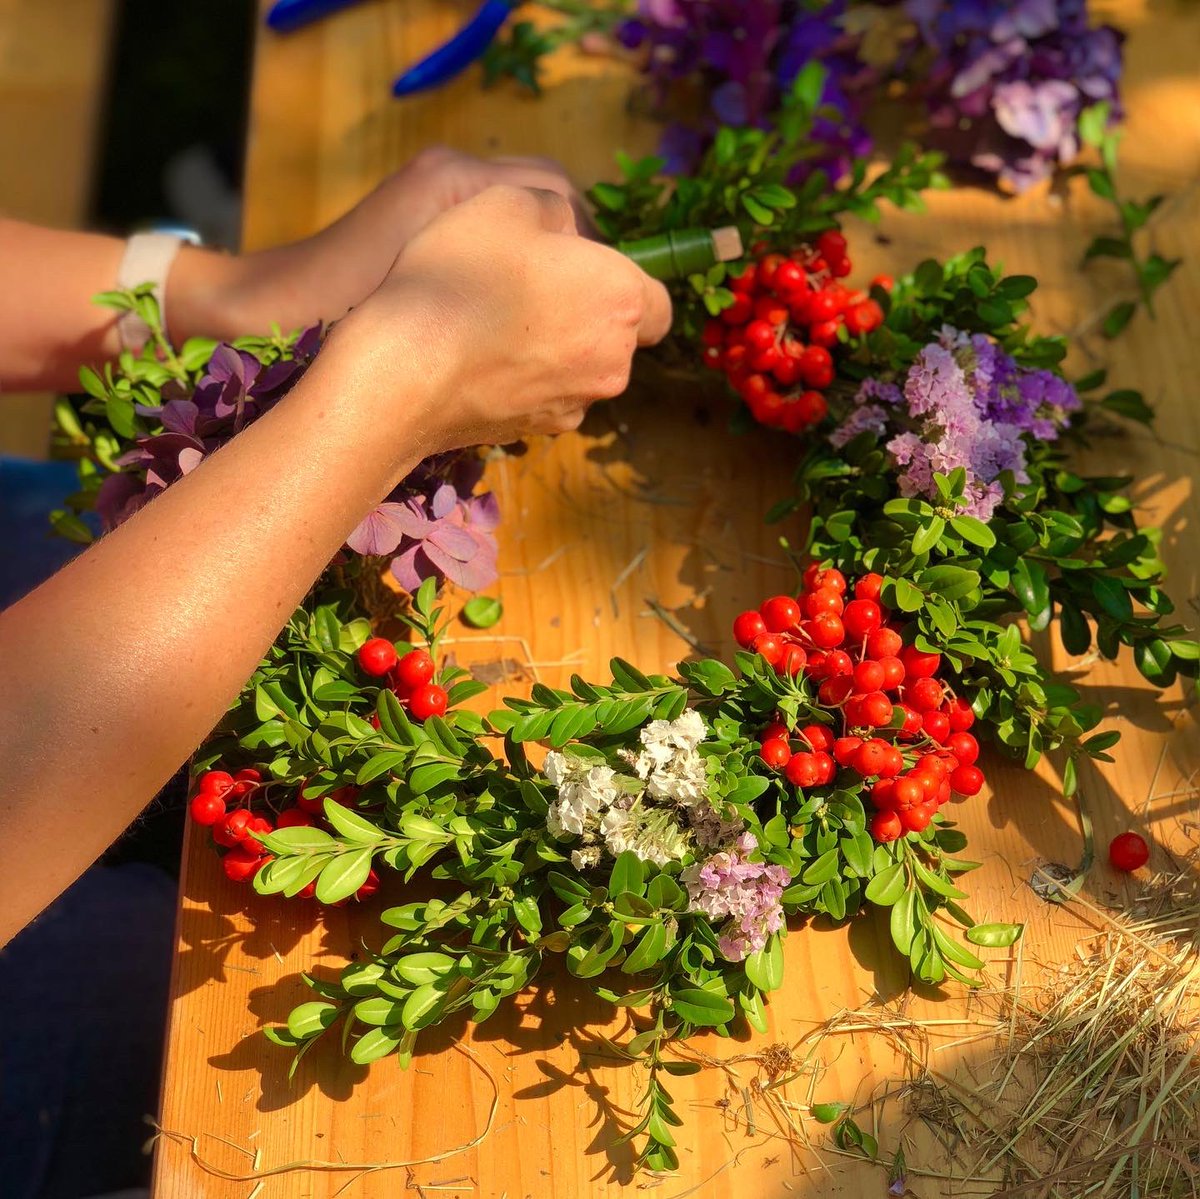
x,y
1008,81
745,55
964,403
747,895
432,523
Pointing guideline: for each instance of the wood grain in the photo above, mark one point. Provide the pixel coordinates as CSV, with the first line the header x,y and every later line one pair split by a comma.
x,y
53,59
653,507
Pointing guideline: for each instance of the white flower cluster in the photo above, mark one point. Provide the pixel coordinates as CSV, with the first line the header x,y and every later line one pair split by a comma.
x,y
659,812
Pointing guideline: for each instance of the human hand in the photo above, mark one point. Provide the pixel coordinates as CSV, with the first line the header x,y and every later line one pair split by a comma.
x,y
324,276
527,321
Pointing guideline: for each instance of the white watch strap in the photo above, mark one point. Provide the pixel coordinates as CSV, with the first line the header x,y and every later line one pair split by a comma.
x,y
147,259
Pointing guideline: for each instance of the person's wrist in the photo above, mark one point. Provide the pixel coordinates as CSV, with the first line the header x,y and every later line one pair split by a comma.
x,y
207,296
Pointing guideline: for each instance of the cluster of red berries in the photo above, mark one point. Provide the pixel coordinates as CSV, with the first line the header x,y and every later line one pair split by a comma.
x,y
238,831
773,341
897,726
410,676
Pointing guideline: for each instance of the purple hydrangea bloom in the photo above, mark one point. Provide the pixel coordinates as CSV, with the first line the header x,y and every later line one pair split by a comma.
x,y
966,404
432,524
746,895
1008,81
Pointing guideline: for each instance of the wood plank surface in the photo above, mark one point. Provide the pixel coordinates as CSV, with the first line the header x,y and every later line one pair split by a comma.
x,y
53,59
653,508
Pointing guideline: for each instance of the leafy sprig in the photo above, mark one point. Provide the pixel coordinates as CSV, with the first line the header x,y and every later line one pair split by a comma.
x,y
1151,270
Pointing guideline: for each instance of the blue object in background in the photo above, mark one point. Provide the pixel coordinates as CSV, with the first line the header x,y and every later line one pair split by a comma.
x,y
468,45
29,550
286,15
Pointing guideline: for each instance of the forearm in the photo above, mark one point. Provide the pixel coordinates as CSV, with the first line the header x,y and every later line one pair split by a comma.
x,y
115,669
52,327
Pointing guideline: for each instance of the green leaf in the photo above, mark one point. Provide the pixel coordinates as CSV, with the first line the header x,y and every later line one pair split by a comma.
x,y
973,530
1118,317
628,874
351,825
1130,404
928,535
1093,121
995,936
309,1019
950,582
373,1045
648,951
827,1113
904,924
1111,595
344,875
701,1007
482,611
298,840
887,886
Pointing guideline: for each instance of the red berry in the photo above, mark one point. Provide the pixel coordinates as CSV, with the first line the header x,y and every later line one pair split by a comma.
x,y
883,643
793,660
746,627
812,407
767,268
864,318
825,333
745,281
294,818
869,587
886,826
964,747
918,664
776,753
759,335
967,780
415,669
936,724
428,700
233,828
248,775
862,617
893,764
833,692
845,750
840,269
713,335
876,710
790,278
916,819
769,647
831,245
925,695
738,313
826,630
821,307
804,770
817,736
376,657
882,794
781,613
241,865
884,281
775,729
1128,851
893,673
870,757
314,805
912,721
207,808
909,792
961,714
824,599
826,769
816,366
216,781
837,663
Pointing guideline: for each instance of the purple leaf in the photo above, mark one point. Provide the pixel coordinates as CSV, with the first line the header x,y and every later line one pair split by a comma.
x,y
444,501
382,530
453,540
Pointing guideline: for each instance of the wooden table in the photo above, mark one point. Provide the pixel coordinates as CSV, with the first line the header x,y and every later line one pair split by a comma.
x,y
653,508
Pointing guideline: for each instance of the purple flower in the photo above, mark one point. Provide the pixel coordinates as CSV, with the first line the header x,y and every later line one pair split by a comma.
x,y
965,404
1007,81
744,894
432,523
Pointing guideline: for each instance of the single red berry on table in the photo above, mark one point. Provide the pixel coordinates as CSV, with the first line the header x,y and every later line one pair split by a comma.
x,y
747,626
415,669
428,700
886,826
967,780
376,656
207,808
1128,851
